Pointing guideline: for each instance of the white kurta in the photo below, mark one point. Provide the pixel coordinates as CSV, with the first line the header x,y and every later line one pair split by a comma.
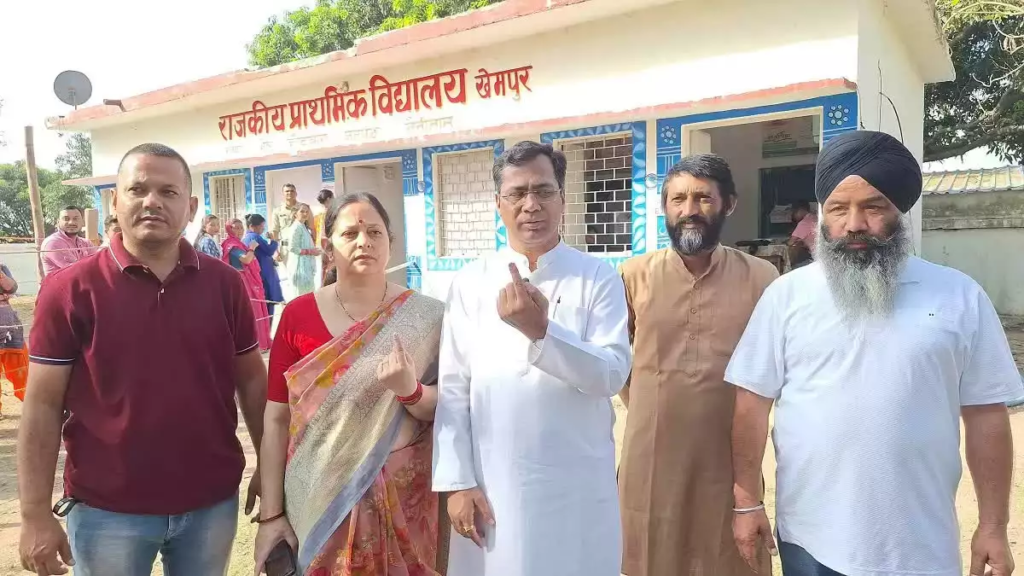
x,y
531,424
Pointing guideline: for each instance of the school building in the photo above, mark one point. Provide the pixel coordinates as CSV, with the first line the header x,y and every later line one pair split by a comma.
x,y
624,88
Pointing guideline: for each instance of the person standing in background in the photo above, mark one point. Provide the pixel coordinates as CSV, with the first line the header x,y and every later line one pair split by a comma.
x,y
13,352
243,259
282,218
301,263
207,241
264,251
324,198
65,247
110,227
804,237
688,307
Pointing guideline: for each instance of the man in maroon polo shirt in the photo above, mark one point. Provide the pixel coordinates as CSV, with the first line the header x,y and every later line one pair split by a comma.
x,y
146,344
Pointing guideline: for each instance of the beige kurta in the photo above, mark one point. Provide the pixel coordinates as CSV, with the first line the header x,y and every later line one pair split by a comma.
x,y
675,478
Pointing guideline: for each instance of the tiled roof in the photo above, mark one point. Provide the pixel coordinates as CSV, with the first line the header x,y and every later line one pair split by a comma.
x,y
970,181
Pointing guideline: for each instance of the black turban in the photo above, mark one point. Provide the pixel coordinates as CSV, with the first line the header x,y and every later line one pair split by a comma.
x,y
881,160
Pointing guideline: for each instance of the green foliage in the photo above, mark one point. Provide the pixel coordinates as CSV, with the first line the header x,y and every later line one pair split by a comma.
x,y
15,209
76,162
336,25
984,106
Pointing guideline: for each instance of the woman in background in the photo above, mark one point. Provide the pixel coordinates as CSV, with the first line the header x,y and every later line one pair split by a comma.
x,y
265,256
347,441
207,243
13,351
243,259
301,265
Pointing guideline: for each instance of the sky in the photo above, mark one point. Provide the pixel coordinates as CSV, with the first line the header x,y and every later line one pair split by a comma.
x,y
127,47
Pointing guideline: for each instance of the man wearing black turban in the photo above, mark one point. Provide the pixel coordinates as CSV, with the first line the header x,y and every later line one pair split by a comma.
x,y
875,352
876,157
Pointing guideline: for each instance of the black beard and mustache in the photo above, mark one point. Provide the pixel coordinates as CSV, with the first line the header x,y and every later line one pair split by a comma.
x,y
690,241
864,282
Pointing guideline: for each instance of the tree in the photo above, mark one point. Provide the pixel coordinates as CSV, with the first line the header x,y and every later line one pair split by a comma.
x,y
984,106
333,25
15,210
410,12
75,162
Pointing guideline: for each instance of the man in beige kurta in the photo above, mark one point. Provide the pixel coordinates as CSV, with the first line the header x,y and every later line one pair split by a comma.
x,y
688,307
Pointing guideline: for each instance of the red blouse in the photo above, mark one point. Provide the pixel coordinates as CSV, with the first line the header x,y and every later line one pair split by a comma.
x,y
300,332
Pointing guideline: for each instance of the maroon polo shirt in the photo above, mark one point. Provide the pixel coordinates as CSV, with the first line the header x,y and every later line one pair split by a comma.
x,y
151,395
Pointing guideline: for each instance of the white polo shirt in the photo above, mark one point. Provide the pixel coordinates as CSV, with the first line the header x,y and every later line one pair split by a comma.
x,y
867,418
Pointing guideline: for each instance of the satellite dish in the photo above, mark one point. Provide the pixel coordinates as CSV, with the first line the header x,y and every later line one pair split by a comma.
x,y
72,88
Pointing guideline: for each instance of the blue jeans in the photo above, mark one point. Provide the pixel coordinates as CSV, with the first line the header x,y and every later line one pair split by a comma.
x,y
798,562
196,543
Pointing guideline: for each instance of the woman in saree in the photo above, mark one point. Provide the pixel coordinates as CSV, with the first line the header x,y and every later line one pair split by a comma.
x,y
242,258
346,452
301,263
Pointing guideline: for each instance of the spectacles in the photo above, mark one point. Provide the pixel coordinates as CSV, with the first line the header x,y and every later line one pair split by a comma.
x,y
543,195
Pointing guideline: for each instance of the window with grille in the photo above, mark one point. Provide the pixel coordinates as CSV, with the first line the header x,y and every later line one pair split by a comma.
x,y
598,194
228,201
464,203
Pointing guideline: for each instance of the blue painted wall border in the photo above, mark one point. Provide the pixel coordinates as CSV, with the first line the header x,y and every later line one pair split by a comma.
x,y
246,173
414,273
838,115
97,202
447,263
638,131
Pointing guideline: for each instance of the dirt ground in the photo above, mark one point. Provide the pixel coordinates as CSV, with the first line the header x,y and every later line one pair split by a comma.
x,y
242,562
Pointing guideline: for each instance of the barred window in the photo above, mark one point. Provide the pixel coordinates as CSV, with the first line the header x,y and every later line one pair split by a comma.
x,y
598,194
465,203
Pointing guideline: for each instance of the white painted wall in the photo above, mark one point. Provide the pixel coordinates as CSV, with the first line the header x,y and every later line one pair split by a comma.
x,y
971,252
674,53
884,66
669,54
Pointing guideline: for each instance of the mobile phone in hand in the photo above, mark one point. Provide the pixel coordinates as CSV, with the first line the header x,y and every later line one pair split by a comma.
x,y
281,561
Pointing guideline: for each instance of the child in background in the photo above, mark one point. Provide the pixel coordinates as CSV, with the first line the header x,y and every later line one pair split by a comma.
x,y
13,351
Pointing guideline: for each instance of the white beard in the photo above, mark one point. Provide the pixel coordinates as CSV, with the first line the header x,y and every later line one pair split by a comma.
x,y
864,283
690,241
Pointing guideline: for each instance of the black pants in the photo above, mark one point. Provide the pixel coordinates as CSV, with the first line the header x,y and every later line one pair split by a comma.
x,y
798,562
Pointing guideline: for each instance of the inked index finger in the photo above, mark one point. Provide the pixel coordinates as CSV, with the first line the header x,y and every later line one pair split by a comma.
x,y
517,279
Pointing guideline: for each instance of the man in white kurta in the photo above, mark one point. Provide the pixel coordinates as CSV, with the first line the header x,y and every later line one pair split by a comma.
x,y
871,357
528,421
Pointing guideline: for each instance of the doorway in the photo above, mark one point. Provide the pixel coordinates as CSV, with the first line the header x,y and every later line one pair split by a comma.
x,y
383,180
